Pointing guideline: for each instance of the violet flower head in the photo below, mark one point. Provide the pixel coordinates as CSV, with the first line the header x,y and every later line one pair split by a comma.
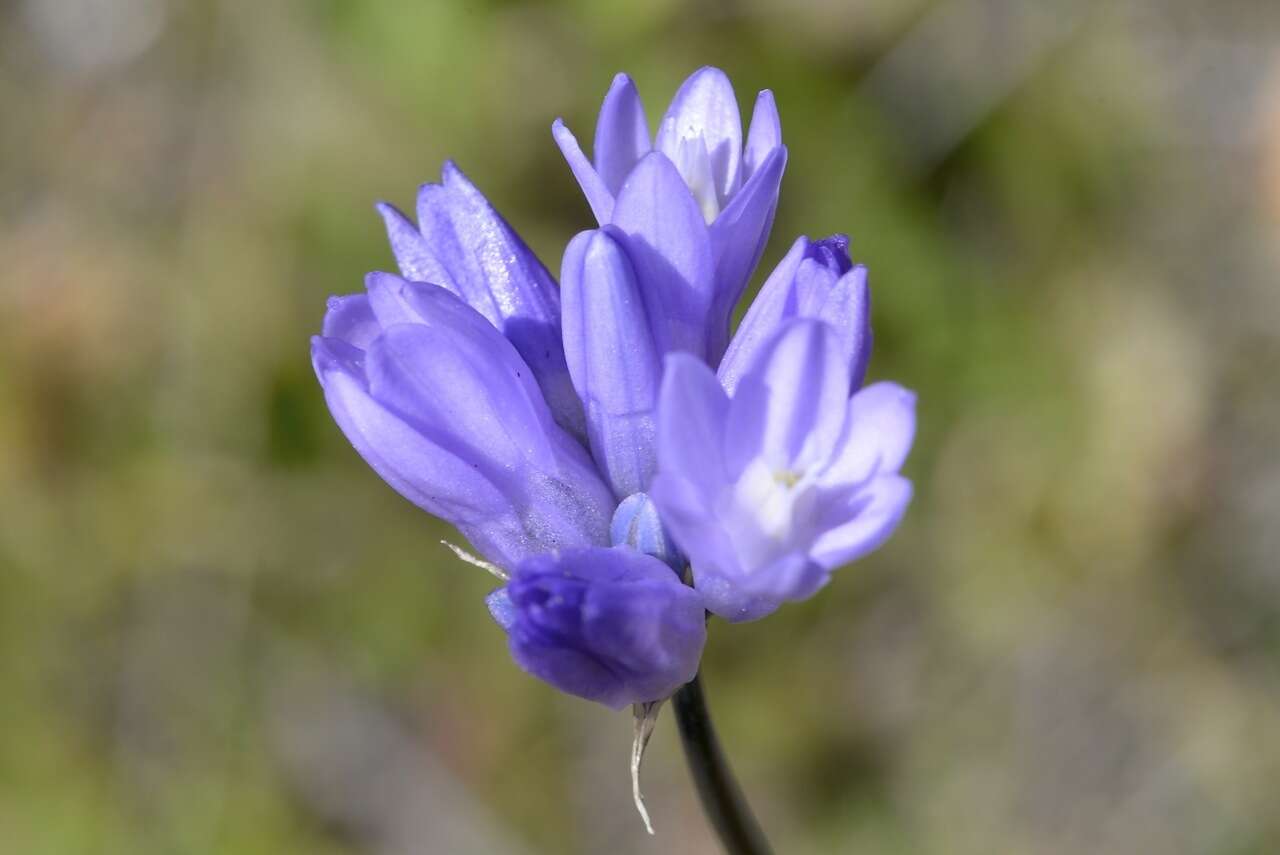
x,y
698,168
608,625
458,392
770,490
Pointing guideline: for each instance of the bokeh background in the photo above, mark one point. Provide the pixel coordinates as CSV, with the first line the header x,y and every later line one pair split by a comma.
x,y
221,633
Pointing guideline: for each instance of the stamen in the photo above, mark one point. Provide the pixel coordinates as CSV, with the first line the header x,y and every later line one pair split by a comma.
x,y
694,163
787,477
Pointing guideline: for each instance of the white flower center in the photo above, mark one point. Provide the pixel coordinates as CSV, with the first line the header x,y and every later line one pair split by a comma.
x,y
769,510
694,164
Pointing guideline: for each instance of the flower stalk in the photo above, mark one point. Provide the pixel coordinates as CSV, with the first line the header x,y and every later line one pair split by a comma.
x,y
722,800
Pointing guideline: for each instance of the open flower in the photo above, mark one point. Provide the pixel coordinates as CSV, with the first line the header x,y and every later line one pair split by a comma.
x,y
698,168
608,625
769,491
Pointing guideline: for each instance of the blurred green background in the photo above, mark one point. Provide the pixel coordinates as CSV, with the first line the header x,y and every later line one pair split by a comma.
x,y
221,633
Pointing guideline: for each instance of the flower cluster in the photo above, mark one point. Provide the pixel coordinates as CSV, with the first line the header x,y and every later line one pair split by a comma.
x,y
604,441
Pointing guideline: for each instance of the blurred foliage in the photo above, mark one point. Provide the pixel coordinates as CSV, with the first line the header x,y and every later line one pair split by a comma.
x,y
220,632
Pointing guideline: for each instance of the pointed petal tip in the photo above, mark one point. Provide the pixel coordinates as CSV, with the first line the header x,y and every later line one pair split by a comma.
x,y
394,218
452,176
584,172
654,162
381,279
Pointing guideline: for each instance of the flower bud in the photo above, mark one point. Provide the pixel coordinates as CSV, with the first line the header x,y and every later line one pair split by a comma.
x,y
608,625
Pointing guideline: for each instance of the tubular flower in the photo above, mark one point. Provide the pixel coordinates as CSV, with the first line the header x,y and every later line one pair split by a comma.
x,y
445,409
608,625
816,279
770,490
729,186
463,245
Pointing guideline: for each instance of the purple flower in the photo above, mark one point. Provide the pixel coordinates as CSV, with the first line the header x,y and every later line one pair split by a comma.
x,y
578,435
636,524
770,490
446,410
463,245
697,202
615,360
608,625
816,279
435,386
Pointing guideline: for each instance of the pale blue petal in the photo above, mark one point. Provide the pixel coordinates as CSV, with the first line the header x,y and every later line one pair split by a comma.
x,y
877,435
846,305
636,524
774,303
462,392
738,238
412,252
706,106
389,301
668,243
764,136
797,413
692,414
490,267
432,477
751,596
351,319
622,134
599,197
612,358
875,517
